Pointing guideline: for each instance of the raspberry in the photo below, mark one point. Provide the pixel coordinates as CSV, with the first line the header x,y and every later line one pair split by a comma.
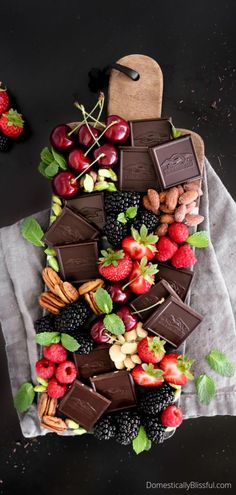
x,y
45,368
178,232
66,372
171,416
55,353
184,257
55,389
166,248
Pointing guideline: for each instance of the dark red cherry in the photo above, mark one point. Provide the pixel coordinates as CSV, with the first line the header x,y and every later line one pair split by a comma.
x,y
130,321
117,294
99,333
85,137
65,185
117,133
78,161
59,138
111,155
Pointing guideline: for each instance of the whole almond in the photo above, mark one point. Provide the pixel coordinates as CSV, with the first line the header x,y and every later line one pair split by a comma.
x,y
161,229
188,197
193,186
164,209
190,207
193,220
180,190
162,196
167,219
152,201
172,198
180,213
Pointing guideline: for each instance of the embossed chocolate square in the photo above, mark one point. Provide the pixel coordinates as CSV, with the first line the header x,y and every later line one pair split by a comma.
x,y
175,162
179,279
91,207
78,262
173,321
98,361
118,387
83,405
150,299
150,132
69,227
136,171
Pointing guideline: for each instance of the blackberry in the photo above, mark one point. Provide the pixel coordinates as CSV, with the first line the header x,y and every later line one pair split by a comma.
x,y
153,401
154,429
118,202
72,317
44,324
86,342
105,428
4,143
147,218
127,426
115,231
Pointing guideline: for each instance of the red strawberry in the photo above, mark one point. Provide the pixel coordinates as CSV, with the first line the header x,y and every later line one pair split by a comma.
x,y
66,372
55,353
142,276
184,257
45,368
176,368
11,124
115,265
147,375
140,244
4,100
178,232
55,389
151,349
171,416
166,248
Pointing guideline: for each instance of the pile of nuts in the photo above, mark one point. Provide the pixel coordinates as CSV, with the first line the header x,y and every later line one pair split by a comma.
x,y
60,293
123,351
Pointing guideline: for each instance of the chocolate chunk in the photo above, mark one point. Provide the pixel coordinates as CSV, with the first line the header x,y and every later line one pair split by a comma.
x,y
179,279
137,172
91,207
176,162
150,132
118,387
173,321
83,405
69,227
78,262
158,291
96,362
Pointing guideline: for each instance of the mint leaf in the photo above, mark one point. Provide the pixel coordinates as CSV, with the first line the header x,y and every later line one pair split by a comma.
x,y
52,169
41,168
206,389
46,338
175,133
59,159
141,442
199,239
220,363
103,300
46,156
69,342
122,218
24,397
131,212
32,232
114,324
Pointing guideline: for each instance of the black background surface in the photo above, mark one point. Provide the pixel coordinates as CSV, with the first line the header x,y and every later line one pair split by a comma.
x,y
46,51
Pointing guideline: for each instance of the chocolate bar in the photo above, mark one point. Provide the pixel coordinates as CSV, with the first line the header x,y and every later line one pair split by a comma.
x,y
118,387
137,172
173,321
78,262
150,132
91,207
158,291
83,405
96,362
175,162
68,228
179,279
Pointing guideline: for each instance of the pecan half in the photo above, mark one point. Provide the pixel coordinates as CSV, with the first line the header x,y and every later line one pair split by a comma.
x,y
46,405
53,423
51,302
90,286
90,299
51,278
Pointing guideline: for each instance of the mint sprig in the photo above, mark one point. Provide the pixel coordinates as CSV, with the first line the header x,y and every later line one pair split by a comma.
x,y
103,300
47,338
69,342
114,324
199,239
32,232
141,442
24,397
206,389
51,162
129,214
220,363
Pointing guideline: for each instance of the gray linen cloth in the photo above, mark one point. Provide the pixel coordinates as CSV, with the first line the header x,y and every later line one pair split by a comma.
x,y
213,294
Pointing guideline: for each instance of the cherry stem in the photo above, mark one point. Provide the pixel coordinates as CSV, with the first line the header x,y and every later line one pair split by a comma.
x,y
86,122
81,123
130,282
149,307
101,100
96,140
90,165
77,105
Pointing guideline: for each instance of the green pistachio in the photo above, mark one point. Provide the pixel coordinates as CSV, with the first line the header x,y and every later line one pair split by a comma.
x,y
57,200
53,263
101,186
57,209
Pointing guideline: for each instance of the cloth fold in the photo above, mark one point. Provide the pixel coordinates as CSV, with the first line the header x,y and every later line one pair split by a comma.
x,y
212,294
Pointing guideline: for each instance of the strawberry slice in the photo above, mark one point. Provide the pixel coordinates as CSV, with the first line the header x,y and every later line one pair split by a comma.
x,y
151,349
142,276
176,369
147,375
140,244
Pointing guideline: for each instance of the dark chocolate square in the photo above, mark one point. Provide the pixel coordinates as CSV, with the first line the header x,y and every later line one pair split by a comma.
x,y
180,279
96,362
150,132
91,207
137,172
176,162
118,387
158,291
78,262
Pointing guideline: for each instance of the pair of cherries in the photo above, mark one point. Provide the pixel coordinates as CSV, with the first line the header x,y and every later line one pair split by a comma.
x,y
117,130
